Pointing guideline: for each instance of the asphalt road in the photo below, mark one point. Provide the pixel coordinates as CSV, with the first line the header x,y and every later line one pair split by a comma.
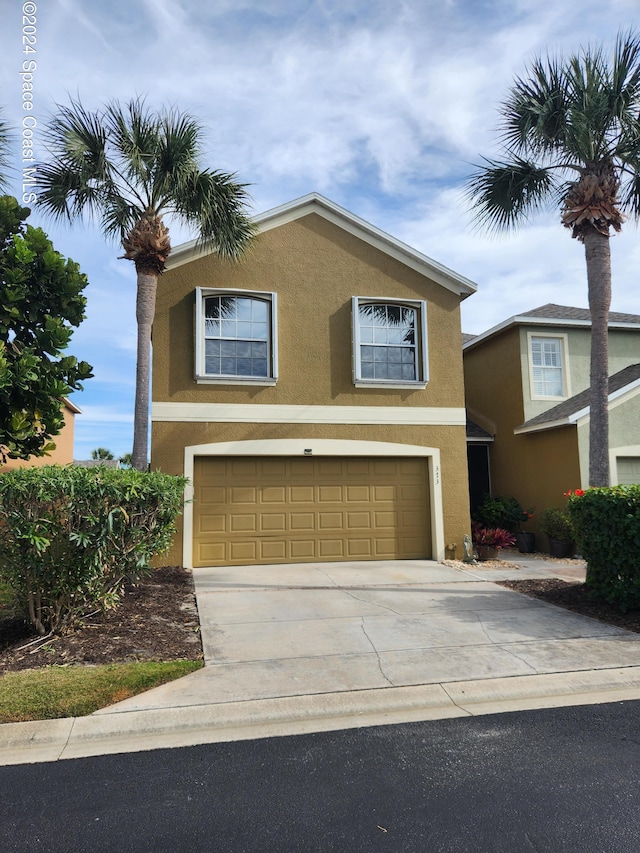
x,y
552,780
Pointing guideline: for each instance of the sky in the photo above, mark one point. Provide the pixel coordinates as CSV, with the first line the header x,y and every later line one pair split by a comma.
x,y
382,107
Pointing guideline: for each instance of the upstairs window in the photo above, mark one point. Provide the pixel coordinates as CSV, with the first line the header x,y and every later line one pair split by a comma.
x,y
389,342
547,366
236,336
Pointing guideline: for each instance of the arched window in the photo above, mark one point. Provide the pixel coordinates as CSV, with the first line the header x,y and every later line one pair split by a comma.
x,y
390,341
236,336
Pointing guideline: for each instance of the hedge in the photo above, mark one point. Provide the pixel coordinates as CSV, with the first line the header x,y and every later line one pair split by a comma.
x,y
70,536
606,523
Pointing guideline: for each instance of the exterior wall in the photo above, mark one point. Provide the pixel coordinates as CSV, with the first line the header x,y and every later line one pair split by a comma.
x,y
61,455
535,468
494,400
624,349
315,268
624,436
170,439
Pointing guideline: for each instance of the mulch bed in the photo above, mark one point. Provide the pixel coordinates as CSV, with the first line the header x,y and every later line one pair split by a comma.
x,y
574,596
157,620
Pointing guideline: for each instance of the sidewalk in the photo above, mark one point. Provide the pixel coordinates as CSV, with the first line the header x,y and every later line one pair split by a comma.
x,y
300,648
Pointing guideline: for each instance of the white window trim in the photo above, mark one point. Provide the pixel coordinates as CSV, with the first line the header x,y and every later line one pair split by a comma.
x,y
566,389
421,342
203,378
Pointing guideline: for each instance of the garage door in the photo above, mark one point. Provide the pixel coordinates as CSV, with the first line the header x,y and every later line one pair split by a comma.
x,y
628,470
286,510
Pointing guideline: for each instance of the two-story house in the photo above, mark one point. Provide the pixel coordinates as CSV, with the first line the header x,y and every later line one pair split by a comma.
x,y
313,395
527,386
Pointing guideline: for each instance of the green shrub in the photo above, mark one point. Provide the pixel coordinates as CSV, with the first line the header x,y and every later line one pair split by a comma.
x,y
606,522
556,523
500,512
70,536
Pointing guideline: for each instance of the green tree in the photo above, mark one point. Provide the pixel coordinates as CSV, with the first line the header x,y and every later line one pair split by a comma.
x,y
570,132
129,166
40,301
101,453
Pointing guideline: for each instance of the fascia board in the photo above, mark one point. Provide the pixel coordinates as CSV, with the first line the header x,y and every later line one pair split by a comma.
x,y
315,203
542,427
582,415
519,320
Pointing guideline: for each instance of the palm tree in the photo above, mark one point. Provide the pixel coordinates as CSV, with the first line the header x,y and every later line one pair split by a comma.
x,y
128,166
101,453
571,136
5,139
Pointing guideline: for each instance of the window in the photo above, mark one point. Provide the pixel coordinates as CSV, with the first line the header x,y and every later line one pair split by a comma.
x,y
389,342
547,366
236,336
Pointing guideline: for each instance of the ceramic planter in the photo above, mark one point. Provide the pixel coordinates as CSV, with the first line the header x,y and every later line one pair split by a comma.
x,y
487,552
526,542
560,547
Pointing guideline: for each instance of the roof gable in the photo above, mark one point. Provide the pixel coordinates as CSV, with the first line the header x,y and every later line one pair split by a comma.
x,y
315,203
551,315
570,411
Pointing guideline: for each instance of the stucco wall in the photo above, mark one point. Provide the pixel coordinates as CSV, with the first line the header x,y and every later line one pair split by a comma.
x,y
61,455
315,268
170,439
535,468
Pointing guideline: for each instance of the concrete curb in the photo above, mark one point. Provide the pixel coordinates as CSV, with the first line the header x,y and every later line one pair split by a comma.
x,y
135,731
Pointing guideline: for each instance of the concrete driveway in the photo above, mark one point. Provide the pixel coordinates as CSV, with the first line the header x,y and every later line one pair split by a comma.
x,y
330,628
325,646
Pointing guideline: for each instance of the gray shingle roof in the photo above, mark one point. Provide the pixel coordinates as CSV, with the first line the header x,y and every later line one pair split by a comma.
x,y
580,401
466,337
566,312
476,432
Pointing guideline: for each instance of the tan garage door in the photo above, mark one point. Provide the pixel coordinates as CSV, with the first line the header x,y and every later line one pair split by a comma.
x,y
628,470
286,510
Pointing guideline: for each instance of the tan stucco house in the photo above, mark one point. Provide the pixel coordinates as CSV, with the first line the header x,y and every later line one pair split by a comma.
x,y
62,454
312,394
527,386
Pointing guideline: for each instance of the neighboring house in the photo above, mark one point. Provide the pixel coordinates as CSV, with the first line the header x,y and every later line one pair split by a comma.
x,y
527,386
63,452
312,394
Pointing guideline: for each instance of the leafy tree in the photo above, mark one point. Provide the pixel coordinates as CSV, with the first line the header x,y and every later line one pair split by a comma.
x,y
125,460
40,300
128,166
101,453
571,136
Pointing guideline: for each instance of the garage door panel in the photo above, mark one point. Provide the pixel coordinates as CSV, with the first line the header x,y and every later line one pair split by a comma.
x,y
273,522
250,511
301,494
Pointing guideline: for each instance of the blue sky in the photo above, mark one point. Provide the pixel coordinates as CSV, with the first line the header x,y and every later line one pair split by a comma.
x,y
381,107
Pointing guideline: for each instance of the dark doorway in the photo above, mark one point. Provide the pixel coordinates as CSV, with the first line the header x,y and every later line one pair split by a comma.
x,y
479,481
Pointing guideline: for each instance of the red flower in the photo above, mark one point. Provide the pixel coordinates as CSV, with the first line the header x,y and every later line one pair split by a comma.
x,y
579,492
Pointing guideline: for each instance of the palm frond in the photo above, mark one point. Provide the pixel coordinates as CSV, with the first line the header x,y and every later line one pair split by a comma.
x,y
502,194
534,116
214,203
6,137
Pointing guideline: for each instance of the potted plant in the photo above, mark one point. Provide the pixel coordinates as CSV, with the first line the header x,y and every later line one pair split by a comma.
x,y
488,541
507,514
557,526
525,540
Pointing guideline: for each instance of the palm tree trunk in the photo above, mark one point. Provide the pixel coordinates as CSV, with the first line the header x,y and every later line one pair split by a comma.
x,y
145,311
597,252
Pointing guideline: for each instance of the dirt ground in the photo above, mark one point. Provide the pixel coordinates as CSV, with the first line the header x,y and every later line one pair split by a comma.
x,y
156,620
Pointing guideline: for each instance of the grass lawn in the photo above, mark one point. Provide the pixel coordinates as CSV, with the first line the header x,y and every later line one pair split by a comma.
x,y
73,691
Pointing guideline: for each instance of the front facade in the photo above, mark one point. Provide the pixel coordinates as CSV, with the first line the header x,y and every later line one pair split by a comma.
x,y
313,395
527,384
